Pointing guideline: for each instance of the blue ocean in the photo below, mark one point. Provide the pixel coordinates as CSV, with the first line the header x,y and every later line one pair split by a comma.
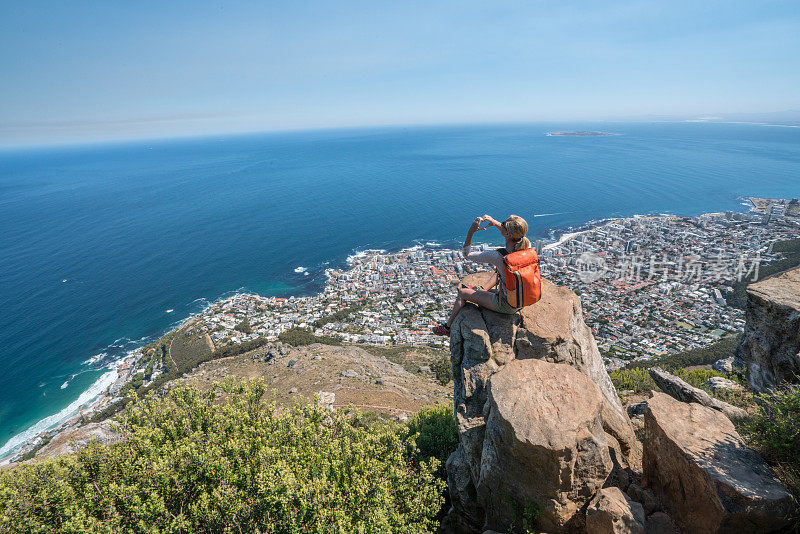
x,y
103,247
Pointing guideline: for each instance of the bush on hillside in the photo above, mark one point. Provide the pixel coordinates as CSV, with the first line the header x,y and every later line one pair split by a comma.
x,y
298,337
443,369
225,461
774,431
695,377
436,436
637,380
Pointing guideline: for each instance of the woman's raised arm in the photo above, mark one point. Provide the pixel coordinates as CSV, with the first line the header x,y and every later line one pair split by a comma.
x,y
474,227
492,221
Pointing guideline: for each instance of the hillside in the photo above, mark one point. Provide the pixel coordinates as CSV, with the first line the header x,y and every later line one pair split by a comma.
x,y
357,376
315,437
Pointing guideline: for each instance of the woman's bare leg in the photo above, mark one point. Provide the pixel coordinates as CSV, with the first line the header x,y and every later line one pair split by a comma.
x,y
475,296
457,305
479,297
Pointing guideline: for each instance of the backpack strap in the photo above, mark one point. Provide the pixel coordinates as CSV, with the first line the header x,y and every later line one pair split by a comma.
x,y
504,252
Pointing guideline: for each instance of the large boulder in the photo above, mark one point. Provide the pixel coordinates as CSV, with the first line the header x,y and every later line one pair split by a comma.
x,y
544,444
705,476
553,330
724,365
613,512
483,342
770,346
680,390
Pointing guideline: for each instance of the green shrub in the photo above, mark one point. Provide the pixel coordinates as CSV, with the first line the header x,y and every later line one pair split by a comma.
x,y
524,518
244,327
774,431
695,377
637,380
298,337
225,461
436,433
443,369
742,398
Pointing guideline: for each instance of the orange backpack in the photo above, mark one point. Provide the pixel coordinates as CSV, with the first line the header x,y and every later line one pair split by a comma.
x,y
523,279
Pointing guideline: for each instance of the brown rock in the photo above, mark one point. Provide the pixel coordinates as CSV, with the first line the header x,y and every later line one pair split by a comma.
x,y
702,472
770,346
544,443
644,496
612,512
678,389
552,330
483,342
660,523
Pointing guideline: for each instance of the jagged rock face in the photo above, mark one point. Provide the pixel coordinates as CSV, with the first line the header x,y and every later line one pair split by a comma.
x,y
704,474
482,342
770,347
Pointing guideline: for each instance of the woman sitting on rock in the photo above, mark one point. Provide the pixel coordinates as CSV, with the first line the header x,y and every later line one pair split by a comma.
x,y
493,296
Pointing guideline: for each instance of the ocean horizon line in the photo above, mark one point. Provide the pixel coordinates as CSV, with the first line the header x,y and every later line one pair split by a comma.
x,y
110,142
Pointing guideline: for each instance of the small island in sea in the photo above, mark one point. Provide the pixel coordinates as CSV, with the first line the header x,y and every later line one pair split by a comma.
x,y
579,134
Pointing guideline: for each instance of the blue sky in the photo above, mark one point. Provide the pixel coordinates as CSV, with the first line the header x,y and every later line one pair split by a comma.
x,y
81,71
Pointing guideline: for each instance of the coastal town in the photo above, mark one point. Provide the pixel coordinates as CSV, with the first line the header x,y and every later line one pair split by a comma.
x,y
649,286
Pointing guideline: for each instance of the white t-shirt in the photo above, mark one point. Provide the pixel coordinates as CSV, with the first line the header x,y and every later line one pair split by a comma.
x,y
493,258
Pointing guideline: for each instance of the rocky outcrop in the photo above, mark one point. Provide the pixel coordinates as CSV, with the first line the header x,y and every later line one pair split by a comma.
x,y
770,346
703,473
682,391
613,512
544,443
725,365
719,383
75,439
482,344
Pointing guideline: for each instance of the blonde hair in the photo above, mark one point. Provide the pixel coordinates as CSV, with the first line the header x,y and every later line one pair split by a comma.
x,y
516,228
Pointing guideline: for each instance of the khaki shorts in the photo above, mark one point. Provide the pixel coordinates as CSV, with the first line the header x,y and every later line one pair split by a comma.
x,y
501,304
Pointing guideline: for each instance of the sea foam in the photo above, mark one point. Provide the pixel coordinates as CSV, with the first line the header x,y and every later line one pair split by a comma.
x,y
48,423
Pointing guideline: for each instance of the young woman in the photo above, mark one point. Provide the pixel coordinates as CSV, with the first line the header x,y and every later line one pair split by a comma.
x,y
513,230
